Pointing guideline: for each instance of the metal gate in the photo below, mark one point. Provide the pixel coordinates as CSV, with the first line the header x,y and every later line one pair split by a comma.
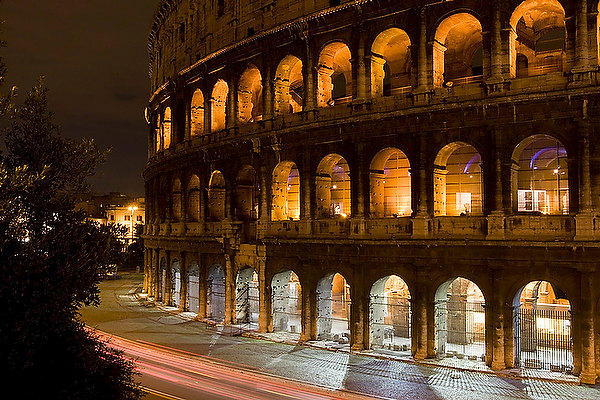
x,y
460,327
543,338
390,322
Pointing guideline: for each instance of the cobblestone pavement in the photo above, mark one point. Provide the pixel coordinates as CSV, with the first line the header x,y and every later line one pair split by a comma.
x,y
122,313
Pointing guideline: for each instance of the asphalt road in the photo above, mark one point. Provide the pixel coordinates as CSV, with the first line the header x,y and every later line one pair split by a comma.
x,y
182,359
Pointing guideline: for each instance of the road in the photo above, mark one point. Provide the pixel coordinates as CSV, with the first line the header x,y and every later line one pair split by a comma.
x,y
181,359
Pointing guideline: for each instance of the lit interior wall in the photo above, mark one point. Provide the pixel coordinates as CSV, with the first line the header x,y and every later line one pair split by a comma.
x,y
390,184
392,48
288,86
285,192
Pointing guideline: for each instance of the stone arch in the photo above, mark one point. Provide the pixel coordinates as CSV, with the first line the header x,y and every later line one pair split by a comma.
x,y
216,196
334,75
249,95
176,200
246,194
456,50
246,297
286,300
218,103
333,308
197,113
215,295
285,192
540,176
167,128
458,180
538,33
460,320
175,283
542,330
391,49
289,86
390,315
193,287
193,199
390,184
333,187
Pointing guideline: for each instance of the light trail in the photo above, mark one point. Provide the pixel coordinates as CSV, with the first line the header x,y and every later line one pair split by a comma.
x,y
193,373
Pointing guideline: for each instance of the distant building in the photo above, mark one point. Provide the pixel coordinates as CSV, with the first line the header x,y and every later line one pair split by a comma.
x,y
115,208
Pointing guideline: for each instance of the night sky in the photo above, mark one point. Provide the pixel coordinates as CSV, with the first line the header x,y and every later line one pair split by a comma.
x,y
94,56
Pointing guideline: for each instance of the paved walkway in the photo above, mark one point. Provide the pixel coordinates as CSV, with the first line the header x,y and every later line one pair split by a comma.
x,y
125,314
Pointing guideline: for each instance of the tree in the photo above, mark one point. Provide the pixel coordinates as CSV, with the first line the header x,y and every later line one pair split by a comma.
x,y
51,261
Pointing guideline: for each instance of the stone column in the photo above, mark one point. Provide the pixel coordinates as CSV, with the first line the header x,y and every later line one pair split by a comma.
x,y
309,77
358,311
231,108
420,342
264,295
146,270
497,216
422,218
422,80
586,327
497,324
202,287
267,90
582,59
229,291
362,181
156,275
361,69
184,282
207,112
309,311
168,290
584,220
496,39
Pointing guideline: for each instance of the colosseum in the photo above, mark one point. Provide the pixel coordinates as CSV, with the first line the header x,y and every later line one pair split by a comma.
x,y
419,179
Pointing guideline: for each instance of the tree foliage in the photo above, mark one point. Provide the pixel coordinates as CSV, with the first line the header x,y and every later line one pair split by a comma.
x,y
51,261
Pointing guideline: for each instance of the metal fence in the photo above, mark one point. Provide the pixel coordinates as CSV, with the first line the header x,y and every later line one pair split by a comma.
x,y
543,339
460,328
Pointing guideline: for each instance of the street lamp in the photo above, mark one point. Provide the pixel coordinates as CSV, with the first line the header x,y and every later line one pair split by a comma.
x,y
132,209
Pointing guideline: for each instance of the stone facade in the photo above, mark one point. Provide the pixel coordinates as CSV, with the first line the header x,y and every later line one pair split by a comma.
x,y
424,140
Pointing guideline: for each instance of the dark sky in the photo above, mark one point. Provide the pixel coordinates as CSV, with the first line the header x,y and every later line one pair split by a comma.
x,y
94,56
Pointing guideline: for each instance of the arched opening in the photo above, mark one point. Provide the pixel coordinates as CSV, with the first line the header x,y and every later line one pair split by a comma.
x,y
166,128
457,58
216,196
390,63
246,297
289,86
390,315
540,176
246,194
334,75
176,200
333,309
542,328
286,302
218,102
333,187
162,281
193,288
215,295
175,283
538,34
286,192
193,199
457,180
460,320
197,113
390,184
250,95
